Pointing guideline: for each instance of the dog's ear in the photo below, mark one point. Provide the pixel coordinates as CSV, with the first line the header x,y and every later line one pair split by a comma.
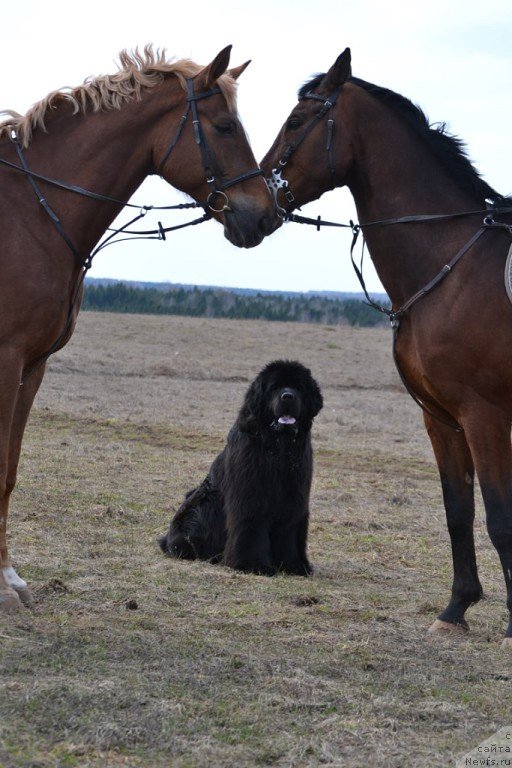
x,y
251,412
315,400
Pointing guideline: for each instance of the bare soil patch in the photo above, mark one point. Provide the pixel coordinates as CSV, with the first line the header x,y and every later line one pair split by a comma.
x,y
132,659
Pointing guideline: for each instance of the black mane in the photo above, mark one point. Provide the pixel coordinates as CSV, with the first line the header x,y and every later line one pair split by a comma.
x,y
450,150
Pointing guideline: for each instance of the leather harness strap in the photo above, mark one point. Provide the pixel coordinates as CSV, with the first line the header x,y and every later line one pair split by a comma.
x,y
276,182
216,190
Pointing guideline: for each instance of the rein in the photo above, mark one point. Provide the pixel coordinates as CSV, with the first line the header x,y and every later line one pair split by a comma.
x,y
356,229
395,316
86,262
217,190
143,209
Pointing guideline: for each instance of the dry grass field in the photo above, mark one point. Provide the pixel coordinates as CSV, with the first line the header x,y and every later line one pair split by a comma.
x,y
132,659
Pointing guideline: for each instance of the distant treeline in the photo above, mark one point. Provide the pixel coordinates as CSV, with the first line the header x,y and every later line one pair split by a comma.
x,y
213,302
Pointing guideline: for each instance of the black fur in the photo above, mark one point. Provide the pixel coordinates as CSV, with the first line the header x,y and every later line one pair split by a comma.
x,y
252,510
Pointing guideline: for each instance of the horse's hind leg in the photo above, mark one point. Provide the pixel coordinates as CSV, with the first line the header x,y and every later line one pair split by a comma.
x,y
12,587
457,473
488,434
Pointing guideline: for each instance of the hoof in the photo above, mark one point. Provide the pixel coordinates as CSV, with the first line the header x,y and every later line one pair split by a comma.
x,y
9,601
440,627
26,596
507,643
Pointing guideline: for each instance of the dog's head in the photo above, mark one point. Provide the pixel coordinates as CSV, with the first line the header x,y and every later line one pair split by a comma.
x,y
175,544
283,397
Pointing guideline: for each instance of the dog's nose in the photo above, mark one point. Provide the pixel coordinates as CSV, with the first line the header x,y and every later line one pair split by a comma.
x,y
287,395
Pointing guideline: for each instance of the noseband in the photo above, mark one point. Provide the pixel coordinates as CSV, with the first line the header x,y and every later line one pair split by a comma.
x,y
276,181
217,201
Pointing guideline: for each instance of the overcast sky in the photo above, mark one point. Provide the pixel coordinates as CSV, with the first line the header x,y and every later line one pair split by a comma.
x,y
452,58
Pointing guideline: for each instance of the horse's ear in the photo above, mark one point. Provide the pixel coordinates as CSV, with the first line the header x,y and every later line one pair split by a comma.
x,y
208,76
235,72
339,72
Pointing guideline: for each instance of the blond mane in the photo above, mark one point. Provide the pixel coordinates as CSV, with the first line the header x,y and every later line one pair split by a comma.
x,y
137,72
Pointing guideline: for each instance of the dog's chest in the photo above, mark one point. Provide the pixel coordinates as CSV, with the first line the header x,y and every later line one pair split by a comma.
x,y
284,457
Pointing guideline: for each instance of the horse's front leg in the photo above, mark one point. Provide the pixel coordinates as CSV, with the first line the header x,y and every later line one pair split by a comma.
x,y
13,589
487,431
457,475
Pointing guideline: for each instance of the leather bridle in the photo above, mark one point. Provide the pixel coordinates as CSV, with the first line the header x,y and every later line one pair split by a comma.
x,y
209,204
276,182
217,194
216,191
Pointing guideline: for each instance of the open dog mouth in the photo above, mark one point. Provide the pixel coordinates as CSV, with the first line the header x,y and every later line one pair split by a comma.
x,y
285,423
288,420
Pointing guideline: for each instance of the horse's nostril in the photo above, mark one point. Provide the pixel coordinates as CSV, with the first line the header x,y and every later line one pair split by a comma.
x,y
266,224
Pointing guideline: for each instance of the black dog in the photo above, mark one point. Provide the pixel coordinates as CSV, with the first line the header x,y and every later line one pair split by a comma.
x,y
252,510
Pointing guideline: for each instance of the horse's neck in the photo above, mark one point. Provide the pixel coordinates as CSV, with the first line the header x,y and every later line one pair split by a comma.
x,y
396,175
104,152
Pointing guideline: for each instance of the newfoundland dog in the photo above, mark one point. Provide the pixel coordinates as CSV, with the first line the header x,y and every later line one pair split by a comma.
x,y
251,512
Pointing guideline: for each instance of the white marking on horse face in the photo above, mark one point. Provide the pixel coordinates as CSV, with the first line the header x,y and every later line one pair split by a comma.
x,y
12,578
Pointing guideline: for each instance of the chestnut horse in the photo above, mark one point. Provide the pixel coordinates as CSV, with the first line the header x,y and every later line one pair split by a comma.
x,y
444,276
176,119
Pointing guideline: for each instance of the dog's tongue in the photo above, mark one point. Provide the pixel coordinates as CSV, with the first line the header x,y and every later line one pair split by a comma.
x,y
286,420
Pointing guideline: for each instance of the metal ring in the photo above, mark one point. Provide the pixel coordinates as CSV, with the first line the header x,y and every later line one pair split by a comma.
x,y
225,205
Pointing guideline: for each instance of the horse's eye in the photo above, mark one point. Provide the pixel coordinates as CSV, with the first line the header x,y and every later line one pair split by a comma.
x,y
293,123
224,129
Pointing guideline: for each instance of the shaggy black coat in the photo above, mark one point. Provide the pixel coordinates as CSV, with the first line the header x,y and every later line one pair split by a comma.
x,y
252,510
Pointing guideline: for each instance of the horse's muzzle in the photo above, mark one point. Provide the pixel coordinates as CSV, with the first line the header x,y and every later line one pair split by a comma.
x,y
246,227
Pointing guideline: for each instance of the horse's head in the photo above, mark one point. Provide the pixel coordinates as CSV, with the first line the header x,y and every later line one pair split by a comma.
x,y
206,154
312,152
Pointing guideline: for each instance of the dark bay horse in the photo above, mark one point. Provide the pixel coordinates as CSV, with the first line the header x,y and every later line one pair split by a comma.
x,y
176,119
453,342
